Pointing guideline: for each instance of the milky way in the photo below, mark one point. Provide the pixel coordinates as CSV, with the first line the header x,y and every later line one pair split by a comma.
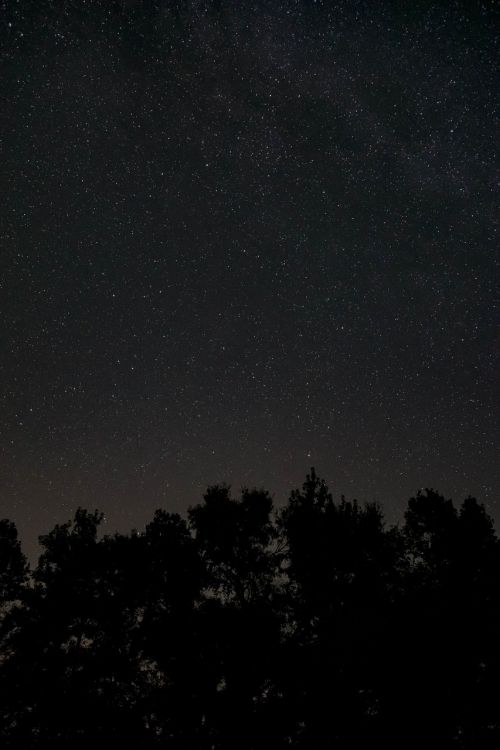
x,y
241,239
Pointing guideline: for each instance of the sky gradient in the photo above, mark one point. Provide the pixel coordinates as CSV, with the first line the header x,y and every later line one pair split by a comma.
x,y
241,239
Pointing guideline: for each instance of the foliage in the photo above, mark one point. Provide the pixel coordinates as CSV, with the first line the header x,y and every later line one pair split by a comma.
x,y
316,625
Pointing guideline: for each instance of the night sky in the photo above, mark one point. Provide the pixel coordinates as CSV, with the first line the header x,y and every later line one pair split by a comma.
x,y
239,239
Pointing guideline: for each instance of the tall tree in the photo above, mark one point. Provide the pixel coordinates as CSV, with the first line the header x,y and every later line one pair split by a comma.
x,y
236,540
13,565
343,570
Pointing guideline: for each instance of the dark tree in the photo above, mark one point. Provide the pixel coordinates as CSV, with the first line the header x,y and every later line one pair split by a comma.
x,y
13,565
13,577
234,538
314,627
241,628
72,679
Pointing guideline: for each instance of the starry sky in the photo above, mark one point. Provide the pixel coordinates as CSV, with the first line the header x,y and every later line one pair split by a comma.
x,y
242,238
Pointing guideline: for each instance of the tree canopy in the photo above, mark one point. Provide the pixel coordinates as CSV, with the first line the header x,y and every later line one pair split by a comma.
x,y
313,625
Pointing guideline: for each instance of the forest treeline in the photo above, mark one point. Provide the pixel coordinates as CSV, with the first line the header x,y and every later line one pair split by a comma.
x,y
242,626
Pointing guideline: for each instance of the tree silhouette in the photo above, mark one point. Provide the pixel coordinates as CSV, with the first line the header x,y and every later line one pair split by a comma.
x,y
13,565
13,576
234,538
343,571
315,626
240,625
